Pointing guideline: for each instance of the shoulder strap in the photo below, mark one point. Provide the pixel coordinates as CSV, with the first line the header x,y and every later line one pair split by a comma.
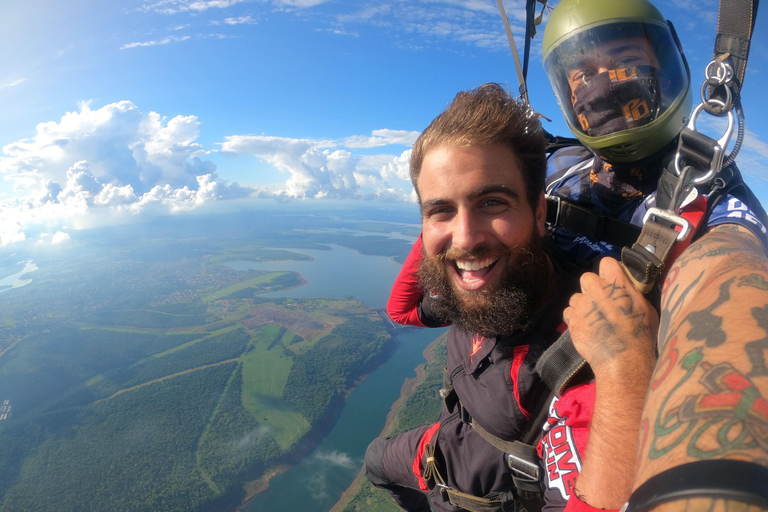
x,y
590,222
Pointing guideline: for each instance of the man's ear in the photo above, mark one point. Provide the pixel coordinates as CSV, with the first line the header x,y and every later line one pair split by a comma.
x,y
541,215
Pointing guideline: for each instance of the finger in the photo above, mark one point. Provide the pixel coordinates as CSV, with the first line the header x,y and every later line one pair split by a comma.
x,y
567,315
612,271
590,281
574,300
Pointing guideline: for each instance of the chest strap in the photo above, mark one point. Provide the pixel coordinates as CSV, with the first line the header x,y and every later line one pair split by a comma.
x,y
590,222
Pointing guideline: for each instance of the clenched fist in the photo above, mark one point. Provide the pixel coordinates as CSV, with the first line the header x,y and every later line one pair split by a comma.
x,y
612,325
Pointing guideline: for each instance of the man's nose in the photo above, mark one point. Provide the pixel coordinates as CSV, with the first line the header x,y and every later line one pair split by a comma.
x,y
468,231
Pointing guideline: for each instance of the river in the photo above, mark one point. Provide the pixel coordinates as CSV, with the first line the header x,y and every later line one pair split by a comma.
x,y
316,484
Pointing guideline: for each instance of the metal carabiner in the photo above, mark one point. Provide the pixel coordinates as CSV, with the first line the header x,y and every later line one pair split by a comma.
x,y
719,149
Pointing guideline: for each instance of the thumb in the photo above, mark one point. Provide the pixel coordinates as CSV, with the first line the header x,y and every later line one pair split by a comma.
x,y
611,271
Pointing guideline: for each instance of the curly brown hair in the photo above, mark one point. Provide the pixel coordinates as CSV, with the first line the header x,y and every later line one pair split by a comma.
x,y
487,116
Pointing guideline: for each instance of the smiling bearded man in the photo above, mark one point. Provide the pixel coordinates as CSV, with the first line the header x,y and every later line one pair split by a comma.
x,y
481,266
494,310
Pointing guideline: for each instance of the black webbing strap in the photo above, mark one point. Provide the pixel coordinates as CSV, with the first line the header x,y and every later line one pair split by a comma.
x,y
721,479
590,222
492,502
560,363
736,21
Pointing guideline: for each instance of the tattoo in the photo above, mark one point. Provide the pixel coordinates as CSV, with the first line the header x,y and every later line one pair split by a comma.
x,y
614,344
665,364
753,280
668,312
755,349
706,326
732,411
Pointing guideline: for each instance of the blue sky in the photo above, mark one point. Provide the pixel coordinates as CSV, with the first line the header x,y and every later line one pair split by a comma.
x,y
117,110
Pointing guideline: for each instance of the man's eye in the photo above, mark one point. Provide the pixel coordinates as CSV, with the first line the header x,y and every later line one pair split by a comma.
x,y
493,204
438,213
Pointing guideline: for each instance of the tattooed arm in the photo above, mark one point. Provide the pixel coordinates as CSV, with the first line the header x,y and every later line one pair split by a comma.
x,y
614,328
707,398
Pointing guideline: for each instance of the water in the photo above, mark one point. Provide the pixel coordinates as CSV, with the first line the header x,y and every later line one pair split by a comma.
x,y
316,484
337,273
14,280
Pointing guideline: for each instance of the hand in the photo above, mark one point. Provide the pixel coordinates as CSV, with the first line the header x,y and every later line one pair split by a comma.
x,y
612,326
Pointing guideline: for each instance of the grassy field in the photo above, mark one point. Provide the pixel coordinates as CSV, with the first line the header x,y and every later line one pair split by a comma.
x,y
256,282
265,371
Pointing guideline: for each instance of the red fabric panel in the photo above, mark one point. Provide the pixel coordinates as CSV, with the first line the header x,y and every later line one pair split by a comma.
x,y
403,303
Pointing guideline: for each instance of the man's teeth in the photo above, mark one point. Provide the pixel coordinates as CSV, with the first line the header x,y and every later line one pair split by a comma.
x,y
475,264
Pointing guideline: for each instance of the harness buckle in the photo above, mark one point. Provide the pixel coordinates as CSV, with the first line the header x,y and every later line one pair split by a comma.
x,y
718,150
685,226
523,469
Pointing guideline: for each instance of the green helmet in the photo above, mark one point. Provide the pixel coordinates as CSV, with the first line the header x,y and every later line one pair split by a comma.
x,y
619,76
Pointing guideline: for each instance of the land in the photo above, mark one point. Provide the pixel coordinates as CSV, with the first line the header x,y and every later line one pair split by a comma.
x,y
147,374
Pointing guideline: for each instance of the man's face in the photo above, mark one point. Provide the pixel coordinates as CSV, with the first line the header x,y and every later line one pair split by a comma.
x,y
615,54
480,233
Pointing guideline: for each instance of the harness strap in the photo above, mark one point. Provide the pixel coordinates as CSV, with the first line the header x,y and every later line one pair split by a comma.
x,y
559,364
736,21
590,222
492,502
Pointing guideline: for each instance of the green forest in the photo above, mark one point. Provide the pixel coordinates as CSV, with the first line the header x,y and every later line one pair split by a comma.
x,y
172,406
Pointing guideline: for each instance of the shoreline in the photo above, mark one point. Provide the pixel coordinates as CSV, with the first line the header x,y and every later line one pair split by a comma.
x,y
408,385
255,487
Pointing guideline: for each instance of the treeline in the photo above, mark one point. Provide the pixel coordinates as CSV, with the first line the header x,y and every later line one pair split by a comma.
x,y
146,318
134,452
234,443
51,367
222,347
324,372
422,407
287,280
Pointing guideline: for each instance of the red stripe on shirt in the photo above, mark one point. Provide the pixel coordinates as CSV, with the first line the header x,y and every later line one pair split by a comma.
x,y
514,372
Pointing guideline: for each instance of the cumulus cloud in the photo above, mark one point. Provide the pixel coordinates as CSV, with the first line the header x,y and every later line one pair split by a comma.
x,y
327,169
107,162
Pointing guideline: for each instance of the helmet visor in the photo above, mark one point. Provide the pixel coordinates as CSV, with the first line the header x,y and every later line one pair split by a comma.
x,y
616,77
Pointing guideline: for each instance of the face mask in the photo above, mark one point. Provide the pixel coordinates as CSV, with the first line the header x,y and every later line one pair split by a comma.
x,y
616,100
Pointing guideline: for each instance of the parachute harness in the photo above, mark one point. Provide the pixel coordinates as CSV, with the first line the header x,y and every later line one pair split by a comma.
x,y
701,172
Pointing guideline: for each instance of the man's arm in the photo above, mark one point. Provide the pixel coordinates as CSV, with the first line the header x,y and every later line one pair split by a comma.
x,y
614,328
707,397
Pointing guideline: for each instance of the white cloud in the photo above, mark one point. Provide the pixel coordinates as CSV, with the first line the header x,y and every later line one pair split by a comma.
x,y
381,138
170,39
95,165
321,169
300,3
236,21
59,237
177,6
336,459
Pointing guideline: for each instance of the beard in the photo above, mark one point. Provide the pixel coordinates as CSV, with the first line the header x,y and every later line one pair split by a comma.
x,y
496,310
